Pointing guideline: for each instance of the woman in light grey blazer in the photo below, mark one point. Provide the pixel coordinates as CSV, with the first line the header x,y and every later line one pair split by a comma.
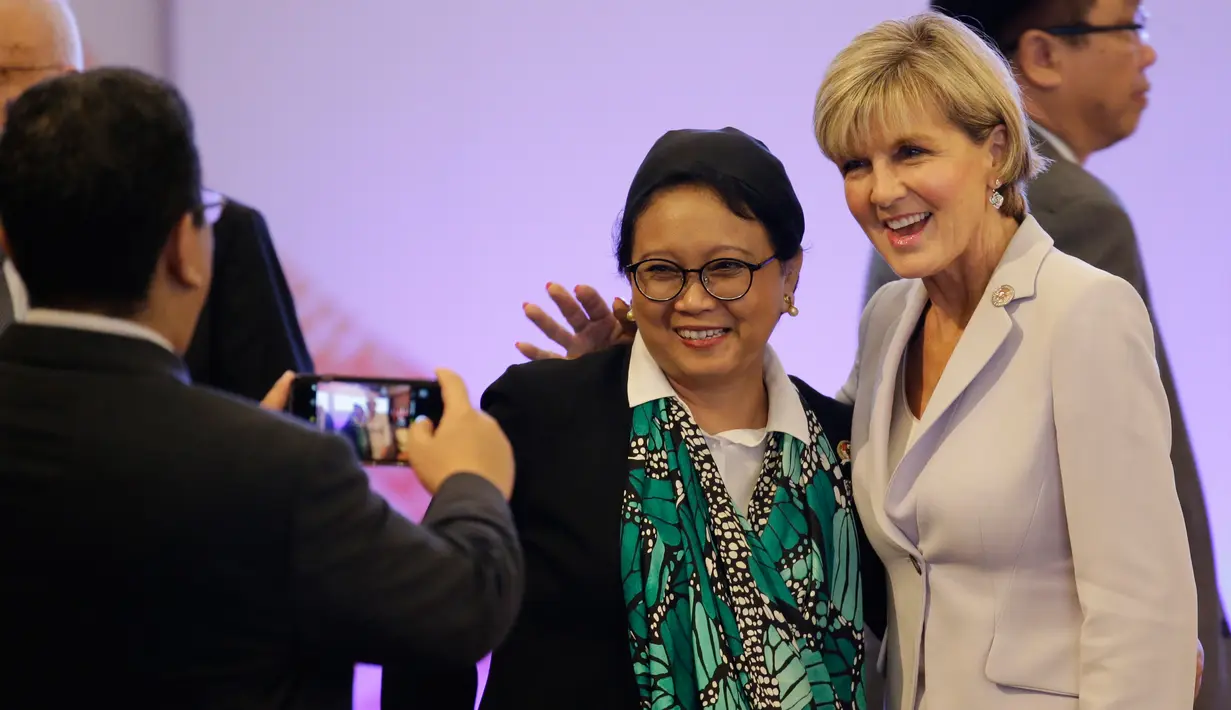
x,y
1011,436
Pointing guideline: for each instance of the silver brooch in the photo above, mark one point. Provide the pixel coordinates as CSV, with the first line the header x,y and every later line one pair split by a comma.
x,y
1002,295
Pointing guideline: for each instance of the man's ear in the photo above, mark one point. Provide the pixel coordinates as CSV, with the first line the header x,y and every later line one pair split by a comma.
x,y
187,262
1037,59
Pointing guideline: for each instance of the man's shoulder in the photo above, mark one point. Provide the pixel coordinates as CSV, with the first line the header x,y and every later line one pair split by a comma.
x,y
240,218
1065,184
254,436
235,208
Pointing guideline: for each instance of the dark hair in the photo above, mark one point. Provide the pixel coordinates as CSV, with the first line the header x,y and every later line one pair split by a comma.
x,y
750,180
1004,21
96,170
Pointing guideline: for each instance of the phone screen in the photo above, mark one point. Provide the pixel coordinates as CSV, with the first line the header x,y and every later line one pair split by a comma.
x,y
373,415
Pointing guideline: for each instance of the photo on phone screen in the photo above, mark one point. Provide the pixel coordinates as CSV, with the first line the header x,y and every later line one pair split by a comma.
x,y
373,415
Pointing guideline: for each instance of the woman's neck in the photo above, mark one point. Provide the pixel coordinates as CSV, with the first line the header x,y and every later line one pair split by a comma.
x,y
735,401
956,291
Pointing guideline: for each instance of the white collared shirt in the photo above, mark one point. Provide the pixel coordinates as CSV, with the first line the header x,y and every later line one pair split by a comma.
x,y
95,323
739,454
52,318
1061,147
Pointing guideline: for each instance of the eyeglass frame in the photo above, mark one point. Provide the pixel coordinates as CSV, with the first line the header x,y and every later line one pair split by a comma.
x,y
1083,29
631,270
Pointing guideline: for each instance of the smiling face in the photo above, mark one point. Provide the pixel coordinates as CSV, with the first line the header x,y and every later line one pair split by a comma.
x,y
921,191
695,338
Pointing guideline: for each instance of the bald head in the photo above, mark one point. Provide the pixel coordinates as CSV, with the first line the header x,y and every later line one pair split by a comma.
x,y
38,40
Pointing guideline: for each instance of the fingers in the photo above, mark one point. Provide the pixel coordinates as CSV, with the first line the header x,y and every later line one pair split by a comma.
x,y
452,391
553,330
280,393
534,352
592,301
569,307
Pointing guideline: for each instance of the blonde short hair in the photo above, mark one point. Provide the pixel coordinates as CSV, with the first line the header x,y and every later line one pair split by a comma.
x,y
899,67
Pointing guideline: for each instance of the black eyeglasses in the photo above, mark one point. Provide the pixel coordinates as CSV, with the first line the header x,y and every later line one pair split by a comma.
x,y
725,279
1081,29
7,69
212,204
1137,26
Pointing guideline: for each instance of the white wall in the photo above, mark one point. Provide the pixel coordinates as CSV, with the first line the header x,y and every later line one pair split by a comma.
x,y
126,32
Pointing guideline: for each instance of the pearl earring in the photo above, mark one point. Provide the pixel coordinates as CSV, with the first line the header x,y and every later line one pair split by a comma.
x,y
791,310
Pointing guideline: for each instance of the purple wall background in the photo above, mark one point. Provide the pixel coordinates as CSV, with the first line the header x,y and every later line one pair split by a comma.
x,y
426,167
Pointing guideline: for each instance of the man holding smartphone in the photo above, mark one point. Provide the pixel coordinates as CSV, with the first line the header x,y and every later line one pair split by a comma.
x,y
165,545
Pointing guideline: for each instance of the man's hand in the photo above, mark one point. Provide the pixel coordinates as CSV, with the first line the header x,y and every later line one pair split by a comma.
x,y
595,326
467,440
280,393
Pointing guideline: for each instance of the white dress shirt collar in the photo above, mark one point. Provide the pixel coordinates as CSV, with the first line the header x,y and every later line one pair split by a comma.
x,y
53,318
95,323
646,383
1061,147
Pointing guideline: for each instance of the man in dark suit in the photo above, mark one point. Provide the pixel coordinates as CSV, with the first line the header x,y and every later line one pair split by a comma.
x,y
1081,66
248,333
169,546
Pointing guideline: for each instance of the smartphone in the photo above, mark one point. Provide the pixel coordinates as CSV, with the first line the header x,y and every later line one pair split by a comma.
x,y
373,414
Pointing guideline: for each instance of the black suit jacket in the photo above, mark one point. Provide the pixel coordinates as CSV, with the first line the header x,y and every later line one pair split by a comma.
x,y
169,546
569,422
1086,220
248,333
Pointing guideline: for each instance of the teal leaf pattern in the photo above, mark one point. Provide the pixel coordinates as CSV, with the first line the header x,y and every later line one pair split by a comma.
x,y
740,612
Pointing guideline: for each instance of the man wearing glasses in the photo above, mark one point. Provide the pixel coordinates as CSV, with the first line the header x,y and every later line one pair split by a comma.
x,y
1081,66
248,334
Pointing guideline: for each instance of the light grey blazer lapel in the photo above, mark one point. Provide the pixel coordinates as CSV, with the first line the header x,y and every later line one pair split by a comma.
x,y
1014,279
881,412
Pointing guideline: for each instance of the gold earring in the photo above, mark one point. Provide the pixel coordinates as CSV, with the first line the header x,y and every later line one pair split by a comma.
x,y
629,316
791,310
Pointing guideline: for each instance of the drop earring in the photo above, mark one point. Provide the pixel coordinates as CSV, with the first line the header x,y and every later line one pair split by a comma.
x,y
996,198
791,310
629,316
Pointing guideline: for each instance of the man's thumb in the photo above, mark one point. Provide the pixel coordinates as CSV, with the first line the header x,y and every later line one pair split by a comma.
x,y
421,432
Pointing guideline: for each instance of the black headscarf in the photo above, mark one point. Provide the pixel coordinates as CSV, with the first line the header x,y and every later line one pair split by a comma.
x,y
750,179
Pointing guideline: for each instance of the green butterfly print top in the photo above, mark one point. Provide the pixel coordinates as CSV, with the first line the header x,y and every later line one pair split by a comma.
x,y
729,611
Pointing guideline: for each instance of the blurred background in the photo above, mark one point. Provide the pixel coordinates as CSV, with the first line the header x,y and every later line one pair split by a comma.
x,y
427,167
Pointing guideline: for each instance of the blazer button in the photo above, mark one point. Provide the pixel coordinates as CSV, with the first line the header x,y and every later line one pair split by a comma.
x,y
915,562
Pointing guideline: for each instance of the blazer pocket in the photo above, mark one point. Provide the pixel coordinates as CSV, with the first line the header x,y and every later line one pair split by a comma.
x,y
1036,645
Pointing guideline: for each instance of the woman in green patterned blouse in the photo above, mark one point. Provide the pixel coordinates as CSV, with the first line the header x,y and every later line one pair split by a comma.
x,y
684,504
